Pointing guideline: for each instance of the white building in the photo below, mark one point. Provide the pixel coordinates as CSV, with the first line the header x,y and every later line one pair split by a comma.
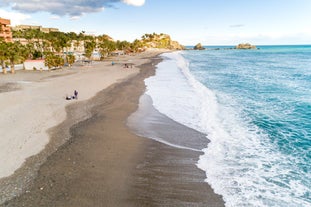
x,y
35,65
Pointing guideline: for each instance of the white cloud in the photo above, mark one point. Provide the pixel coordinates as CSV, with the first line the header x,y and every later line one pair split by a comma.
x,y
72,8
134,2
74,17
15,17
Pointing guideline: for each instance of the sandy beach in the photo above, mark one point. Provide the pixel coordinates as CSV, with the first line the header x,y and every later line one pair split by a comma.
x,y
56,152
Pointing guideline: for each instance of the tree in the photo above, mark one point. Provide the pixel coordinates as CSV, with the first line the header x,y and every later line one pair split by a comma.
x,y
16,52
70,59
3,55
59,41
89,48
30,47
104,37
123,45
107,47
49,60
53,61
136,45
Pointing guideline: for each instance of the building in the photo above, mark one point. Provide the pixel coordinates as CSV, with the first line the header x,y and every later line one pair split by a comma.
x,y
42,29
5,30
35,65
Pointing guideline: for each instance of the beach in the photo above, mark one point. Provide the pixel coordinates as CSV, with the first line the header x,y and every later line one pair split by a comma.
x,y
59,152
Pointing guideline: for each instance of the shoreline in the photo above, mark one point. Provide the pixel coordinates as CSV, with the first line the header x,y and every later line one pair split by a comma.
x,y
101,161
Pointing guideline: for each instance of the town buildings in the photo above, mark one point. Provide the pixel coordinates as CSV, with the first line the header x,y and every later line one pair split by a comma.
x,y
5,30
42,29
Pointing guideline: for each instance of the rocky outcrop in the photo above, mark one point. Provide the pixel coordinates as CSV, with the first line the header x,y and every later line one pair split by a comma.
x,y
245,46
160,41
198,47
176,46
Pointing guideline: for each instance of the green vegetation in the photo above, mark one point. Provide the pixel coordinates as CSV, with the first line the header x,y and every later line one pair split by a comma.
x,y
54,61
12,53
70,59
160,41
57,48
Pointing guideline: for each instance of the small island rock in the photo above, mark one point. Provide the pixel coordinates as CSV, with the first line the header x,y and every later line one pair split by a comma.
x,y
198,47
245,46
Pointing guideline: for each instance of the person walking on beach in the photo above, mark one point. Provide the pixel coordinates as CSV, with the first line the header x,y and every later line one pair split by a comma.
x,y
76,94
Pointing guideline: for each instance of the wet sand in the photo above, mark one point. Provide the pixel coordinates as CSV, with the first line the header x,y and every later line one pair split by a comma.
x,y
105,164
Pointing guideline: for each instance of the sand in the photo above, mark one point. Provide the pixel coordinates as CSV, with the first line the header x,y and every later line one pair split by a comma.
x,y
80,152
36,102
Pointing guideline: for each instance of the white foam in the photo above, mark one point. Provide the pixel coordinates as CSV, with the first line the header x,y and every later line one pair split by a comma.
x,y
171,93
240,162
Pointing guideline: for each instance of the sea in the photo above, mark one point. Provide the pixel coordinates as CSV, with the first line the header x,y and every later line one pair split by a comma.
x,y
254,106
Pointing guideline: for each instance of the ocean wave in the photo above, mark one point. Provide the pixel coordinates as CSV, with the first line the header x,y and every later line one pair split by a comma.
x,y
242,163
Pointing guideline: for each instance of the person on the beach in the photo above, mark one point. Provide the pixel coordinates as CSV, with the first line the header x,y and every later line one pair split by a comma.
x,y
68,97
76,94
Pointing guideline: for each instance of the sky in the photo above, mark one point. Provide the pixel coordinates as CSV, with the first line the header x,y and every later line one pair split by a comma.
x,y
209,22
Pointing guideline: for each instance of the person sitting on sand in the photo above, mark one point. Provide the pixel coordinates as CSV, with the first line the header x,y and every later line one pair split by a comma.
x,y
68,97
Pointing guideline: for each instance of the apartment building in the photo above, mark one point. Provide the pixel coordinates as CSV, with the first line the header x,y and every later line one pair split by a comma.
x,y
5,30
42,29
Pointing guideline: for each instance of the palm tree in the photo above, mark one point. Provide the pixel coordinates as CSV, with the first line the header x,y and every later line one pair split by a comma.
x,y
123,45
70,59
16,52
30,47
89,48
136,45
3,56
53,61
106,47
12,55
49,60
40,43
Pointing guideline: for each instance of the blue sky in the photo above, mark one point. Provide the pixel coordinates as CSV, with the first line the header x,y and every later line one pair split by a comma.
x,y
210,22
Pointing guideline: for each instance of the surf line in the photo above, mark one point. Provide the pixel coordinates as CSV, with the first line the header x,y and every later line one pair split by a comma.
x,y
158,139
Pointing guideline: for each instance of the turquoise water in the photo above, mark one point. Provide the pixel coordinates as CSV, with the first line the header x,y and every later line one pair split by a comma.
x,y
273,85
255,107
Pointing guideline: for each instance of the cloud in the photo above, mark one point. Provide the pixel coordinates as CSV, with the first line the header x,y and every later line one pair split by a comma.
x,y
15,17
134,2
72,8
74,17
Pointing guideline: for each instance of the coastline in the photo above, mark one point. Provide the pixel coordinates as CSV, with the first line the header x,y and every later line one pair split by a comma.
x,y
103,162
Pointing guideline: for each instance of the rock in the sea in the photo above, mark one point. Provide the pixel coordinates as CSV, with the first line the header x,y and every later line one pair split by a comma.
x,y
198,47
245,46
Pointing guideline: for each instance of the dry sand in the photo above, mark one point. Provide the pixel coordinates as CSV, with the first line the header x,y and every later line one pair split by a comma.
x,y
93,159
